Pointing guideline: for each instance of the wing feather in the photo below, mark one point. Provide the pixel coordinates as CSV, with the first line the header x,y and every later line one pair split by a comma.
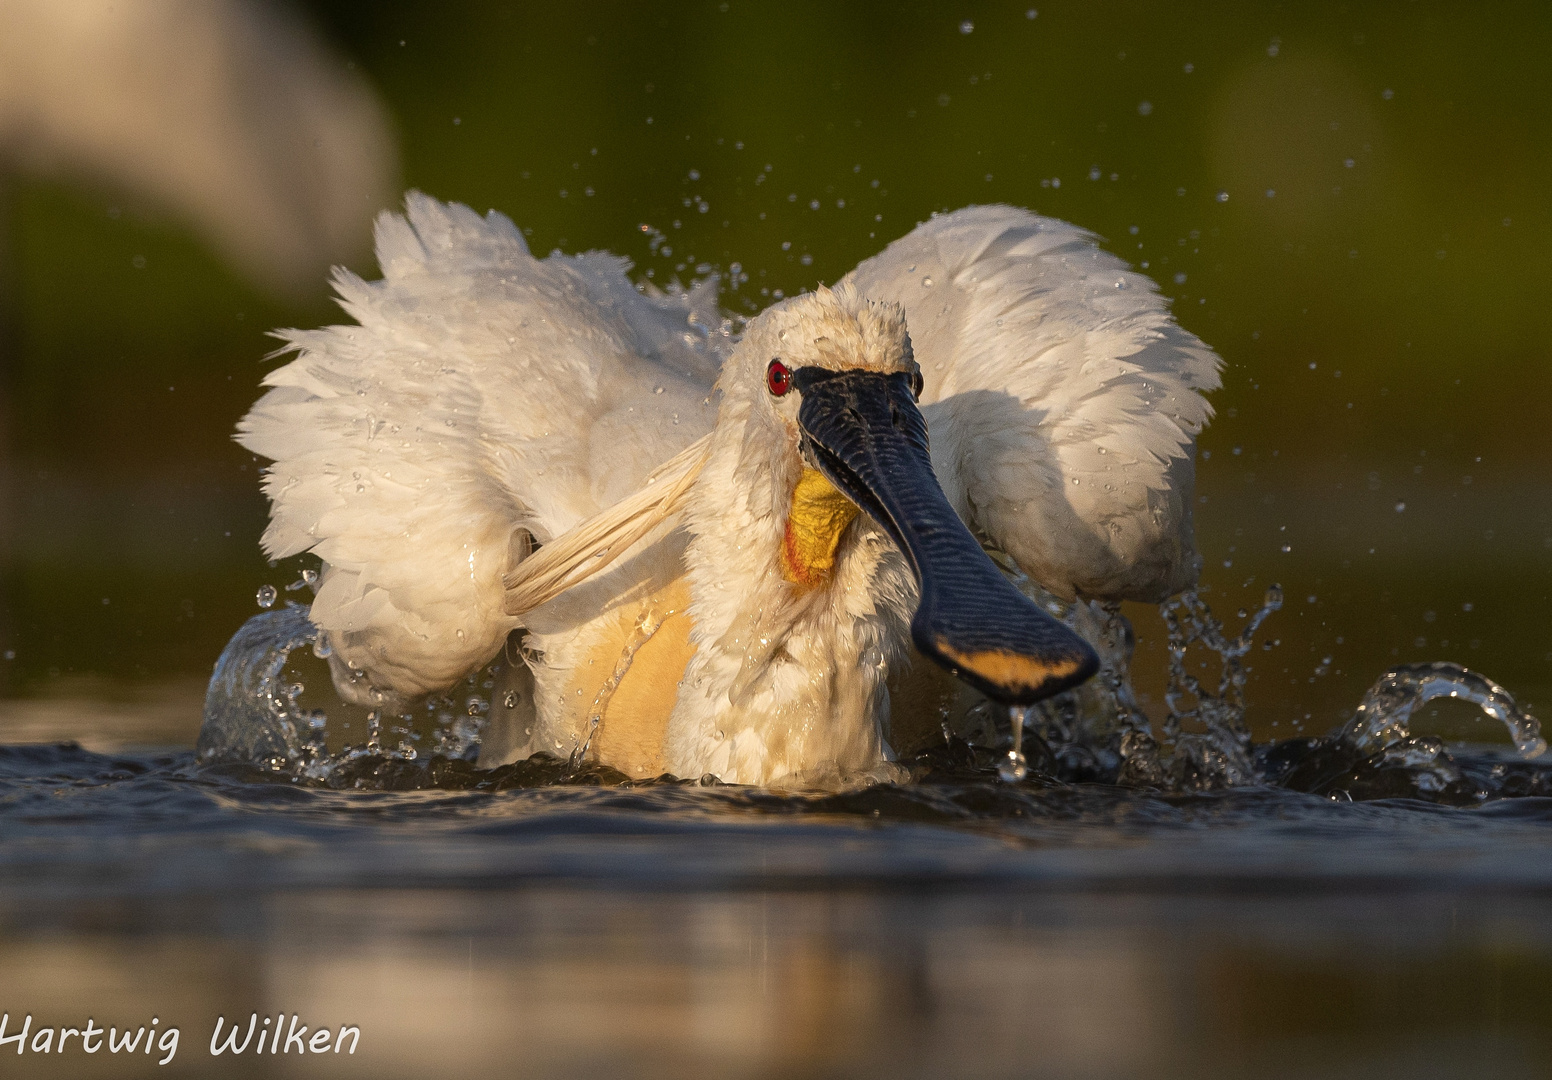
x,y
480,397
1063,400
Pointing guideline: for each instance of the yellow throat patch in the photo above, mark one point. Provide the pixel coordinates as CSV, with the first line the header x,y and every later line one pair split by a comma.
x,y
818,516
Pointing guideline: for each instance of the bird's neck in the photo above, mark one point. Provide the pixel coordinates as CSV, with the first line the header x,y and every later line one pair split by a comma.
x,y
799,610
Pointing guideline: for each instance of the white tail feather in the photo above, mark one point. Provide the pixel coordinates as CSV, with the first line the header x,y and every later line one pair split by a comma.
x,y
578,554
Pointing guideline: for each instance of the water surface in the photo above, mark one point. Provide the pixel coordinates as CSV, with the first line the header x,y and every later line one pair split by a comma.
x,y
956,927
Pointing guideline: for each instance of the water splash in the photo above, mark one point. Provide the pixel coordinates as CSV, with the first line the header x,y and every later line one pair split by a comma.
x,y
256,713
1375,755
1381,719
1099,732
1205,730
251,712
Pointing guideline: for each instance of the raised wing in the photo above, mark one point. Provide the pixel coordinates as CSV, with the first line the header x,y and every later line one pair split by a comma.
x,y
1050,366
482,400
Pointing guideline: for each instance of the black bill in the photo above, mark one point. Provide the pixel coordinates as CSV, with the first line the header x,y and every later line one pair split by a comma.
x,y
864,432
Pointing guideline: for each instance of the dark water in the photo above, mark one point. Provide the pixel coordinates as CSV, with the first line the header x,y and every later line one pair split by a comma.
x,y
957,926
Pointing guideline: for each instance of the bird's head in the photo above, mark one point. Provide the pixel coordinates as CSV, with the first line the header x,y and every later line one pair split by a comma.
x,y
828,385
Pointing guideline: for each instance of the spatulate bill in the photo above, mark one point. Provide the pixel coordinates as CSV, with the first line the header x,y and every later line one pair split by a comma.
x,y
862,429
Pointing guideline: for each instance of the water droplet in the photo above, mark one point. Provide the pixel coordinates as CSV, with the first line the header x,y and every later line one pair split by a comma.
x,y
510,701
926,282
1400,507
967,27
266,596
1012,768
1223,196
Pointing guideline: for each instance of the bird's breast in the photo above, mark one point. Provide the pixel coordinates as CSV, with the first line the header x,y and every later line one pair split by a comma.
x,y
629,679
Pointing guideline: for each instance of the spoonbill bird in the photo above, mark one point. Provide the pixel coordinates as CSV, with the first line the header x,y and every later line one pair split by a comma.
x,y
730,555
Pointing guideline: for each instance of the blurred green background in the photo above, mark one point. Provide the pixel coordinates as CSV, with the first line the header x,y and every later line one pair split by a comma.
x,y
1350,202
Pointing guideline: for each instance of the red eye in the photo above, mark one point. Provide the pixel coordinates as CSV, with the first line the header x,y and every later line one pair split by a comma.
x,y
777,378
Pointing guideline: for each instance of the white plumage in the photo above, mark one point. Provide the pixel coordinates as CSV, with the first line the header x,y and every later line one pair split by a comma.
x,y
1051,366
484,397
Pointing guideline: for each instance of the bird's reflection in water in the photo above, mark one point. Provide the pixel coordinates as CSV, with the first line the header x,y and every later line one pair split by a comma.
x,y
557,982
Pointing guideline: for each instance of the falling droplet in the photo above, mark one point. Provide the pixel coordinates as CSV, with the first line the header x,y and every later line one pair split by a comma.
x,y
1014,768
510,701
266,596
926,282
